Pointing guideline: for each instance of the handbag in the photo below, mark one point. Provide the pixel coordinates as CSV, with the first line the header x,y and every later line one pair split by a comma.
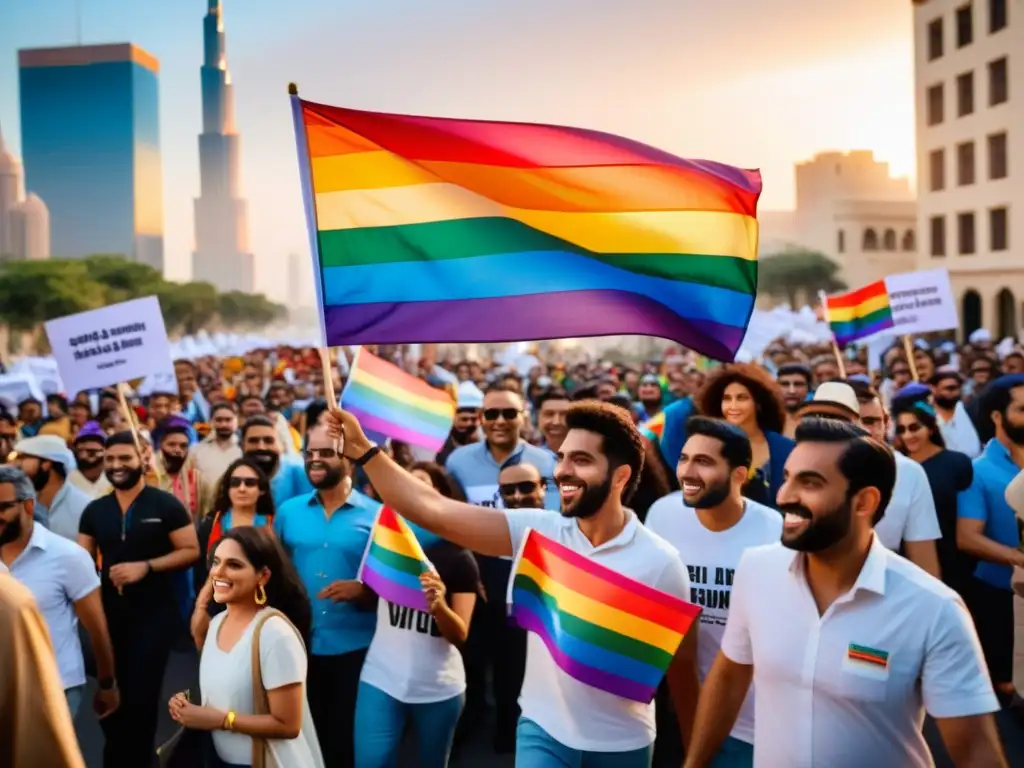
x,y
188,748
260,698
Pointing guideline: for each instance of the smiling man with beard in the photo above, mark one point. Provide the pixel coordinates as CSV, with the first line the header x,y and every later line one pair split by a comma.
x,y
88,447
564,721
142,536
712,525
325,533
46,460
261,443
847,643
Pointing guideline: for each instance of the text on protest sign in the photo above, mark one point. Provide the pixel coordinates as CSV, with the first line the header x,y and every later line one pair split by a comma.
x,y
921,302
104,347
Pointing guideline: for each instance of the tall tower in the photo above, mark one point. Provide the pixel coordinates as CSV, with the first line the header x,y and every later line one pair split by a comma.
x,y
10,194
221,218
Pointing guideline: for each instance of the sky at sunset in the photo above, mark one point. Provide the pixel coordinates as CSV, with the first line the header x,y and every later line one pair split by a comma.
x,y
757,83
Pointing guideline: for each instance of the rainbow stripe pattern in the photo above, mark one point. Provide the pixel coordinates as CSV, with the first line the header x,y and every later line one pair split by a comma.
x,y
860,313
392,403
447,230
393,562
870,656
601,628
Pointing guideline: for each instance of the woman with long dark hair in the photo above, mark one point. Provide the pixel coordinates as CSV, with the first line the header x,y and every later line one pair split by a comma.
x,y
747,396
243,499
919,437
414,671
266,606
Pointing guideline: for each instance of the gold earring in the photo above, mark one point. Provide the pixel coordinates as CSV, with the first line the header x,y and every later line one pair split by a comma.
x,y
261,595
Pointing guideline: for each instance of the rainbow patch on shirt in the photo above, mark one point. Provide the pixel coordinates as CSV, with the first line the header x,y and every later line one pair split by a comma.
x,y
873,657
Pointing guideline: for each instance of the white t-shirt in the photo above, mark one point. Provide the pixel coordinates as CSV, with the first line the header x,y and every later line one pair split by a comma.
x,y
911,514
408,657
225,679
575,714
711,558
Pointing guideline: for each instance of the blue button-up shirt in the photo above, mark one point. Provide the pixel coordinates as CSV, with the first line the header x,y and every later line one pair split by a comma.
x,y
326,549
289,481
475,469
985,500
64,512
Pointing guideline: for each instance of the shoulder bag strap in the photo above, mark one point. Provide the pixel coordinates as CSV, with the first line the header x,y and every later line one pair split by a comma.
x,y
260,699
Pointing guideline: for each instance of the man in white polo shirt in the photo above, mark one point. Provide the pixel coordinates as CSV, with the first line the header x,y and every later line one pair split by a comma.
x,y
847,643
564,722
712,525
910,519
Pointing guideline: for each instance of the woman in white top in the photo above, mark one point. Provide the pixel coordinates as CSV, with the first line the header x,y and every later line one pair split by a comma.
x,y
413,670
250,572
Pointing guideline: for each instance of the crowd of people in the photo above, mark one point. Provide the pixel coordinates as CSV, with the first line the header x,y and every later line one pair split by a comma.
x,y
850,534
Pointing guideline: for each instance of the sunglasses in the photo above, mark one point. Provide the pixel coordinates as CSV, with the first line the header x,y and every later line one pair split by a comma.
x,y
248,482
911,428
508,414
523,488
320,453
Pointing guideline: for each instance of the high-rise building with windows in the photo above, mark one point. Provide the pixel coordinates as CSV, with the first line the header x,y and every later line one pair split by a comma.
x,y
90,137
969,93
221,215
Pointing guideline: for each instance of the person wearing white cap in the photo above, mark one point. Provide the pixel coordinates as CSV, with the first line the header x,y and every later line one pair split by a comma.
x,y
466,427
47,461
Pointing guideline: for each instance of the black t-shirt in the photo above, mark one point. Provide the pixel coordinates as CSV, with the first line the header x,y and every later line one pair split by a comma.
x,y
457,568
949,473
142,533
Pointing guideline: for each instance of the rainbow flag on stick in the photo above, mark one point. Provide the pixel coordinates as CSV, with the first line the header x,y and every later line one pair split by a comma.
x,y
602,628
431,229
860,313
393,562
392,403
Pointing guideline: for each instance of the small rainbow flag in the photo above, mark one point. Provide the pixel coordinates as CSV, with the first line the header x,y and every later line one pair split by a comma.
x,y
602,628
652,428
393,562
392,403
428,229
860,313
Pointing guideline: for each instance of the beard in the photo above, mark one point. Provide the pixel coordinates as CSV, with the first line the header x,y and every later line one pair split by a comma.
x,y
173,463
823,532
651,403
333,476
590,500
129,478
224,434
40,479
1014,432
87,464
713,495
266,460
463,435
11,531
948,403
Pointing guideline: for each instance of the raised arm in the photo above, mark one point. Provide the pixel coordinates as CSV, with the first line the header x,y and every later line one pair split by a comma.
x,y
480,530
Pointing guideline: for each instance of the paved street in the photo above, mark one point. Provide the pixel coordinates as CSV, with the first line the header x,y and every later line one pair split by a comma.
x,y
181,675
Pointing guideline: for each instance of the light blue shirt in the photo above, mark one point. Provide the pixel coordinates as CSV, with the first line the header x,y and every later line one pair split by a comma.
x,y
289,481
325,550
65,511
985,500
474,468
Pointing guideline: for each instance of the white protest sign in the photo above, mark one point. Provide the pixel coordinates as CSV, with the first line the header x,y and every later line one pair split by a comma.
x,y
921,302
104,347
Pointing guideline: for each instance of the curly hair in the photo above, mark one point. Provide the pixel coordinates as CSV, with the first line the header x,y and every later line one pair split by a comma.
x,y
771,413
622,443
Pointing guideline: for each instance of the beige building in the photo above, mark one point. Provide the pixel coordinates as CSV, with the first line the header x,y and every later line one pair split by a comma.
x,y
24,221
969,96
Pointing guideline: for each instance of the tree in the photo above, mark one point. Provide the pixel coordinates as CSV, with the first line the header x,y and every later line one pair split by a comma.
x,y
188,307
32,292
795,273
245,309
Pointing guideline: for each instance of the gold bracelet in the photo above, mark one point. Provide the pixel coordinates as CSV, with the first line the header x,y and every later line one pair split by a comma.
x,y
229,722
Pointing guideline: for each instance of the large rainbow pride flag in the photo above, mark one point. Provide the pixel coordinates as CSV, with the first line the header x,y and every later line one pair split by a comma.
x,y
430,229
393,561
601,628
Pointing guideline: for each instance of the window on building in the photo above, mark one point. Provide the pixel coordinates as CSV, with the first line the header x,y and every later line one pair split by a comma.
x,y
965,233
937,170
997,18
998,225
936,104
938,235
965,94
998,82
841,241
889,240
935,40
909,241
964,25
998,159
870,240
965,163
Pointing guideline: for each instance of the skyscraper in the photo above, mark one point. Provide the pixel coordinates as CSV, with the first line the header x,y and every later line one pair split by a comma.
x,y
221,218
24,223
90,136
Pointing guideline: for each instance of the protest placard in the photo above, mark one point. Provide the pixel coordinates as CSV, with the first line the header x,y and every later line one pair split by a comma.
x,y
105,347
921,302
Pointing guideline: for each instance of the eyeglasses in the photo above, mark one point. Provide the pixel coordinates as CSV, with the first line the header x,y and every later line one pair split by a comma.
x,y
911,428
523,488
508,414
320,453
248,482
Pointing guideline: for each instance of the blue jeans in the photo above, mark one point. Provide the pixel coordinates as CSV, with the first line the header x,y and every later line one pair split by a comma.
x,y
536,749
380,721
74,695
734,753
